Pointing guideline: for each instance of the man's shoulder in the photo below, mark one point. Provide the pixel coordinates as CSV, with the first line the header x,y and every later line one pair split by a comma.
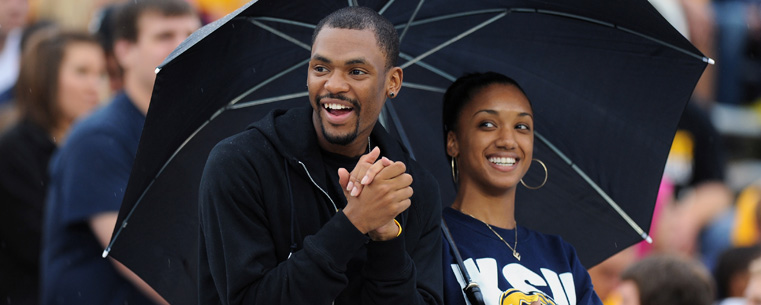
x,y
250,146
265,136
100,121
111,121
246,140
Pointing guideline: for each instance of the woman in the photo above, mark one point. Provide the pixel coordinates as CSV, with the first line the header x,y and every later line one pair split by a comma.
x,y
489,130
61,79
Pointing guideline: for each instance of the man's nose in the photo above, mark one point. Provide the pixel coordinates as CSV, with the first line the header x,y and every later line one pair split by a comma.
x,y
336,83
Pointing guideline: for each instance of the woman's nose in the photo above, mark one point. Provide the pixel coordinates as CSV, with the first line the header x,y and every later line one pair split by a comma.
x,y
506,139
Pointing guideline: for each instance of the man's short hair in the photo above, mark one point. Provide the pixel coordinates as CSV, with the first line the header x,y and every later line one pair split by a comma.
x,y
673,280
128,14
362,18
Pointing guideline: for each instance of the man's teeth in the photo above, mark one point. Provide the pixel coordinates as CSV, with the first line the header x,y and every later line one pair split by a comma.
x,y
502,161
335,106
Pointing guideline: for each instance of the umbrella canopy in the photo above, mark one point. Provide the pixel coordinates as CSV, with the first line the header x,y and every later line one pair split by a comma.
x,y
608,81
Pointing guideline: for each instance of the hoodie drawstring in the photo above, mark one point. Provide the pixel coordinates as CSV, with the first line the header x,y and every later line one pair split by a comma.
x,y
294,246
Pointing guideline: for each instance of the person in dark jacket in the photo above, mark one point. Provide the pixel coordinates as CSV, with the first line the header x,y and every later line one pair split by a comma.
x,y
61,75
283,221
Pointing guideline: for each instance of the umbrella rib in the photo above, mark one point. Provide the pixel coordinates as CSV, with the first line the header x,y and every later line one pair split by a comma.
x,y
412,18
177,151
451,16
429,67
267,81
148,187
399,129
454,39
597,188
611,25
385,7
705,59
281,34
285,21
561,14
269,100
424,87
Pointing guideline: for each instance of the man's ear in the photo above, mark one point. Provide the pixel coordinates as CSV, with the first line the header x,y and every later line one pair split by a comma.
x,y
123,51
394,82
453,149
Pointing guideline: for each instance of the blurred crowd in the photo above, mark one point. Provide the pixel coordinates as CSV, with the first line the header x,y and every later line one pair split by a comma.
x,y
62,60
707,218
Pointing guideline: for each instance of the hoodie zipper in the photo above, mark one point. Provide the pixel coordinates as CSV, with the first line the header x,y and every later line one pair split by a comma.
x,y
321,190
316,185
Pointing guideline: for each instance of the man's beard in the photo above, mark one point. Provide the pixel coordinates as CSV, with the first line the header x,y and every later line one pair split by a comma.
x,y
342,140
346,139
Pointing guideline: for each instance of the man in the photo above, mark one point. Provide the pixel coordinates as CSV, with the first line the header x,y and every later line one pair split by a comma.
x,y
90,172
276,225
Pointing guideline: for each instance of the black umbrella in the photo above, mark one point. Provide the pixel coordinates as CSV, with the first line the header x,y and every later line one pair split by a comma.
x,y
608,81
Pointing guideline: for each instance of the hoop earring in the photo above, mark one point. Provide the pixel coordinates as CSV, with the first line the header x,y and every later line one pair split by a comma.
x,y
546,175
455,172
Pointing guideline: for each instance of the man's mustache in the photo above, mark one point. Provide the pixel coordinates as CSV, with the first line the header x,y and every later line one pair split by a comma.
x,y
354,103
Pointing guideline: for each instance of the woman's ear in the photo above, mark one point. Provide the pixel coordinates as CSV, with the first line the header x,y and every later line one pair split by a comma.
x,y
453,149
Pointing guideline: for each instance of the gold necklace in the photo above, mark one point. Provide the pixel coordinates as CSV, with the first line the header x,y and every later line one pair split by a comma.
x,y
514,248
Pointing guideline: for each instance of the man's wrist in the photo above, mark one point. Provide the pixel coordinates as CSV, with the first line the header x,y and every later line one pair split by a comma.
x,y
387,232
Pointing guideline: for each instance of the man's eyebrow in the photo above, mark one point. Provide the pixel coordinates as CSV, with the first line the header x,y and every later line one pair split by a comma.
x,y
356,61
321,58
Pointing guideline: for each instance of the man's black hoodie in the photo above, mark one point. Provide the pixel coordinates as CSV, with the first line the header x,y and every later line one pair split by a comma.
x,y
270,233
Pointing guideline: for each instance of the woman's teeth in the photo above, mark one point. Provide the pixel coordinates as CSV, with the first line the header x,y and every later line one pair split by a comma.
x,y
502,161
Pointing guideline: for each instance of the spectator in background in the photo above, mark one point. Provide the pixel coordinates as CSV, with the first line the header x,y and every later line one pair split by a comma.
x,y
737,26
12,20
696,166
62,75
695,222
666,279
732,274
607,275
103,27
9,113
747,220
212,10
89,174
753,290
70,14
